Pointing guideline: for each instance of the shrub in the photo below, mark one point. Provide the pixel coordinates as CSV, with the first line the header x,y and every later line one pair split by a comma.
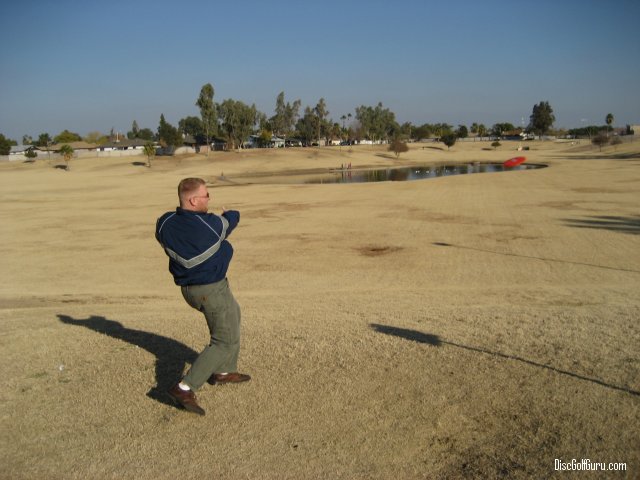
x,y
600,140
449,140
397,146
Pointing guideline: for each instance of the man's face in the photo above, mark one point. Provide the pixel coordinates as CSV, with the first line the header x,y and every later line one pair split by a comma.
x,y
200,199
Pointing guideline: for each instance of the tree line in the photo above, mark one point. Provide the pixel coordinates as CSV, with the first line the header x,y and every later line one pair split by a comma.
x,y
233,121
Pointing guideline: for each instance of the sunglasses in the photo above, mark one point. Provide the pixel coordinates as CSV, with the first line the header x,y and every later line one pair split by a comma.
x,y
201,196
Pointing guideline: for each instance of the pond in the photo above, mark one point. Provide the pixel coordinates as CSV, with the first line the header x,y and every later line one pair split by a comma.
x,y
405,174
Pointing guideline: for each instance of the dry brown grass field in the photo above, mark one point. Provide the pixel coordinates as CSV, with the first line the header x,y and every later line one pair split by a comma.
x,y
471,326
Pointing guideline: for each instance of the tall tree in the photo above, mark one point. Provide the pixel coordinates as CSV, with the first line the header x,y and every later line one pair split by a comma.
x,y
322,125
286,115
134,132
44,140
146,134
207,112
169,136
95,137
307,126
67,137
237,121
478,129
499,129
541,118
377,123
193,126
278,121
442,129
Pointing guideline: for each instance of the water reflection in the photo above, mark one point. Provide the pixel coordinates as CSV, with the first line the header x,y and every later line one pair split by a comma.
x,y
405,174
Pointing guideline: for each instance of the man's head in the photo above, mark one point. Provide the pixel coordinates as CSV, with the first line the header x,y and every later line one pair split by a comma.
x,y
193,195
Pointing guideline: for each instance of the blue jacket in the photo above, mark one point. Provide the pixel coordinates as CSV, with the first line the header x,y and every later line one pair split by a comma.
x,y
196,244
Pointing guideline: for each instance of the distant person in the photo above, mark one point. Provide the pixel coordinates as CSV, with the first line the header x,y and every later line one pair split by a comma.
x,y
199,256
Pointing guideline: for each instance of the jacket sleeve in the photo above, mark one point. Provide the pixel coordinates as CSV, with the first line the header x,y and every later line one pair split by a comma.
x,y
233,217
159,223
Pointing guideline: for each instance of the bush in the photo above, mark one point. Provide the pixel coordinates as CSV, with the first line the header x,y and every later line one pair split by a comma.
x,y
496,144
449,140
600,140
397,146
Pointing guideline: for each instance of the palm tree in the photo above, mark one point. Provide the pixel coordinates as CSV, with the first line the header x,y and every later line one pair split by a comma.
x,y
474,130
609,120
67,152
150,152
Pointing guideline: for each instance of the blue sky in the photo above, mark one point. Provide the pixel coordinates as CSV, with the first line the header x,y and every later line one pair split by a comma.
x,y
89,65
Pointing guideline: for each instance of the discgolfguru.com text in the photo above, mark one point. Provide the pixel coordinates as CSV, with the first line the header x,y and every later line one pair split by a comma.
x,y
588,465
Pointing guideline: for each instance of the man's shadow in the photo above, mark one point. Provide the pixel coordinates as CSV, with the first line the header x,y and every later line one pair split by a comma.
x,y
171,356
436,341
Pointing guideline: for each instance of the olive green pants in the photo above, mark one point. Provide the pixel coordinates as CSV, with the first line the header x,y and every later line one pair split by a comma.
x,y
222,313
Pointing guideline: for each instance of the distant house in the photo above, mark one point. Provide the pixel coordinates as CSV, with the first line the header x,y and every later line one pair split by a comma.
x,y
78,147
216,144
219,144
124,144
18,152
189,140
517,134
19,149
254,141
189,145
294,142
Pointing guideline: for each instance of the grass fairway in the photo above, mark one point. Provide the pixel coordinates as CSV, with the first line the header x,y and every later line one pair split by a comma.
x,y
476,326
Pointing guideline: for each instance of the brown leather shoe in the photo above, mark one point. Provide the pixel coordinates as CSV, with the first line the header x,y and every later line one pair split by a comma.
x,y
186,398
234,377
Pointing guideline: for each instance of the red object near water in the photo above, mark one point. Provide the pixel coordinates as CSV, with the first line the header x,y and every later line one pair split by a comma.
x,y
514,162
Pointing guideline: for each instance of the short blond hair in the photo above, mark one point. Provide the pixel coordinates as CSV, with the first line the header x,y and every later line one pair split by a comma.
x,y
187,186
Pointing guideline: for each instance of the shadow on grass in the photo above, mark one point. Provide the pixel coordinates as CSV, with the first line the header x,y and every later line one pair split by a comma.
x,y
508,254
434,340
602,156
171,355
608,222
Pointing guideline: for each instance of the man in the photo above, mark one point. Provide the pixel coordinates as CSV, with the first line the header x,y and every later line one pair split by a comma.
x,y
199,256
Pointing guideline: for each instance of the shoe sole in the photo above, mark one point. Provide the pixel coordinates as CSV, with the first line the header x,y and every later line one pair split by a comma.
x,y
228,382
